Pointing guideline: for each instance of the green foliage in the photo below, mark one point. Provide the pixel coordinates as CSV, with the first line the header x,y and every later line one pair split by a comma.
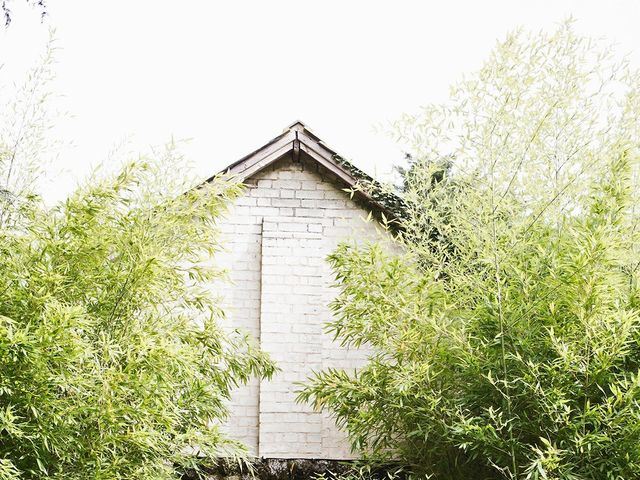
x,y
26,118
506,339
113,361
360,470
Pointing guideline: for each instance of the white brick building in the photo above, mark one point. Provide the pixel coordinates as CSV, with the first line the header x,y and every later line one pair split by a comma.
x,y
293,213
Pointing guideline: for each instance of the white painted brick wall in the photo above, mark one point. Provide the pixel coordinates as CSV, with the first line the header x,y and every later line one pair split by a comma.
x,y
277,237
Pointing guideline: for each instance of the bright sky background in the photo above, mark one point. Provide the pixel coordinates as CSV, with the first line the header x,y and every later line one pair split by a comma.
x,y
231,75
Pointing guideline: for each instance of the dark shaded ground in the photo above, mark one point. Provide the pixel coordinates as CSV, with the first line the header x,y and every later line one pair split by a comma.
x,y
279,469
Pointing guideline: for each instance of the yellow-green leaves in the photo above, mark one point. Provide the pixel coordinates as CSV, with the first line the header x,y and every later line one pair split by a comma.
x,y
113,365
506,340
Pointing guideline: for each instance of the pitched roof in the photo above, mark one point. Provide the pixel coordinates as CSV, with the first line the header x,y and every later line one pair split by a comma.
x,y
299,140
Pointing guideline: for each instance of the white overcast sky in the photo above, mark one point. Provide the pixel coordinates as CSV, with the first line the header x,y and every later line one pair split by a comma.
x,y
231,75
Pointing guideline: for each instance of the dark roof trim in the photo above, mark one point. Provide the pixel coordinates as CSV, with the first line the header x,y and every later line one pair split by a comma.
x,y
298,138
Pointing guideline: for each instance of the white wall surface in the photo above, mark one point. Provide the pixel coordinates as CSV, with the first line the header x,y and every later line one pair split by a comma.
x,y
277,236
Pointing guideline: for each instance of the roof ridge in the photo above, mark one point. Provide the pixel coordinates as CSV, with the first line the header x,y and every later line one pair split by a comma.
x,y
297,137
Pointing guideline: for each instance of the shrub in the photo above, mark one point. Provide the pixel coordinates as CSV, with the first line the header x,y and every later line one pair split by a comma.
x,y
113,361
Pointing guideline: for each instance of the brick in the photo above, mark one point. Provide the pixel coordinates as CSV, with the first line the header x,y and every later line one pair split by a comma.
x,y
292,227
285,175
309,194
325,186
264,211
285,202
246,201
264,192
287,193
334,204
335,195
250,228
336,213
310,212
286,184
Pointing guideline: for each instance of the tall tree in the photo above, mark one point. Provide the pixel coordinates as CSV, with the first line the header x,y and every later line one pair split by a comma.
x,y
518,356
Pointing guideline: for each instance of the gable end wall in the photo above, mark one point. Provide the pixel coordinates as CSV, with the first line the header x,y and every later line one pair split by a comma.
x,y
277,236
